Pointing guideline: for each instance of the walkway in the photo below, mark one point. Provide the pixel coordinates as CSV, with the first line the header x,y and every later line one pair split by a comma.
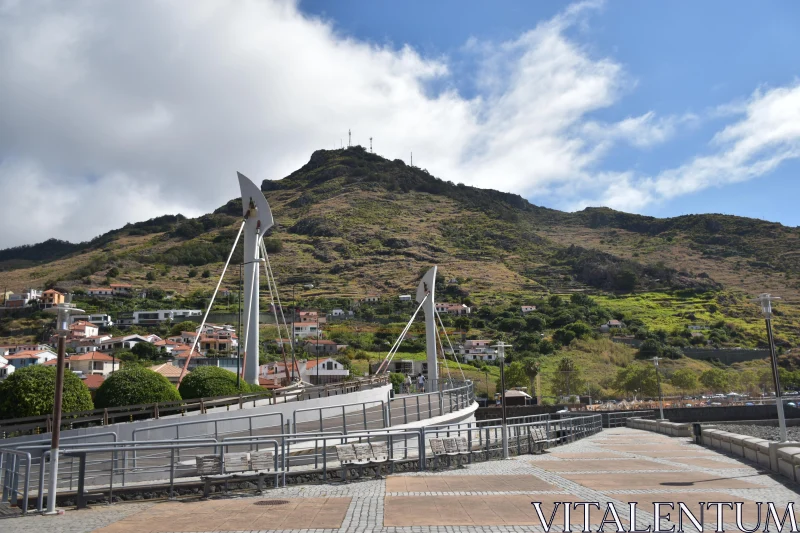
x,y
617,466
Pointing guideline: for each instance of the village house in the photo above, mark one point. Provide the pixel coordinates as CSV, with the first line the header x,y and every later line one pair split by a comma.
x,y
476,350
92,382
405,297
6,368
452,309
52,298
317,372
15,348
322,347
611,324
100,292
528,309
95,362
228,363
82,329
303,330
23,299
125,342
99,319
29,358
121,289
371,299
169,371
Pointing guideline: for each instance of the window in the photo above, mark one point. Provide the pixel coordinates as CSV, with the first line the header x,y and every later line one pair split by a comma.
x,y
329,365
98,365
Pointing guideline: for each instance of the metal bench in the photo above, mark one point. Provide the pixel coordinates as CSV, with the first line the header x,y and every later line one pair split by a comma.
x,y
451,450
347,456
239,466
538,439
380,457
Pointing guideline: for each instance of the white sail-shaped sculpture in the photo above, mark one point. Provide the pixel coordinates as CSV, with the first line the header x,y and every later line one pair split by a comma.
x,y
258,219
427,286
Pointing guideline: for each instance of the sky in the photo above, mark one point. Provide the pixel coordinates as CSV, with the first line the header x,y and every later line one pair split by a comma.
x,y
117,112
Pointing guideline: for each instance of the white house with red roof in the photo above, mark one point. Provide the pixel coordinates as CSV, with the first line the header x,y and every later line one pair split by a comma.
x,y
322,347
316,371
452,309
528,309
6,368
100,292
93,363
83,329
30,358
476,350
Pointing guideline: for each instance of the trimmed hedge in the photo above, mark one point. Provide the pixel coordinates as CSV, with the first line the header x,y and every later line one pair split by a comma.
x,y
133,386
209,381
30,391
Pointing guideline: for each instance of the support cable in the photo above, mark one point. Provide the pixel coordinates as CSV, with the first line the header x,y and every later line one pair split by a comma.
x,y
396,346
210,304
446,336
280,306
270,283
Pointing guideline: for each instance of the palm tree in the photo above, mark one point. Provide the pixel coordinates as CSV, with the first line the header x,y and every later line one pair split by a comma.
x,y
531,367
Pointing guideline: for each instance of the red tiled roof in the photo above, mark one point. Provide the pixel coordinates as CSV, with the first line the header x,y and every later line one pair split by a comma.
x,y
27,354
91,356
93,381
167,369
321,341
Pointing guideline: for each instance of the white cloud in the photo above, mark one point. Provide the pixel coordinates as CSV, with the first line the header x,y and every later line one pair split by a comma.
x,y
766,134
121,111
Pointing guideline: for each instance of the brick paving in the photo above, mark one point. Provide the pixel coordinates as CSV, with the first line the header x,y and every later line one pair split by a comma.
x,y
493,496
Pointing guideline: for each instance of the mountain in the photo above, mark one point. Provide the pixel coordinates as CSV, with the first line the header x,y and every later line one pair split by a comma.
x,y
353,223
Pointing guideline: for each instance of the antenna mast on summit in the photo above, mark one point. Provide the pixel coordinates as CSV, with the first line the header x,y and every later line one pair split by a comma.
x,y
412,159
370,145
348,138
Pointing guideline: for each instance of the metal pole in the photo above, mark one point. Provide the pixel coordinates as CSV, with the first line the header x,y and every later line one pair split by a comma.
x,y
777,378
239,332
658,380
59,394
501,353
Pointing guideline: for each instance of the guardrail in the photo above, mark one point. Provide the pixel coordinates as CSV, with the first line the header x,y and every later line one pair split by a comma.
x,y
10,466
104,467
620,418
104,417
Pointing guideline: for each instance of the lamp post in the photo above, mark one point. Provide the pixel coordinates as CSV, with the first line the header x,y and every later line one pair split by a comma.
x,y
501,355
658,380
765,301
62,317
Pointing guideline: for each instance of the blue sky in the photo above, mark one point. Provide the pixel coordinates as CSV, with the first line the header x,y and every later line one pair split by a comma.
x,y
685,57
138,109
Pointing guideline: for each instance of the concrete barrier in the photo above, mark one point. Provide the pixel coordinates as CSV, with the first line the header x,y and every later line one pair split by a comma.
x,y
780,457
661,426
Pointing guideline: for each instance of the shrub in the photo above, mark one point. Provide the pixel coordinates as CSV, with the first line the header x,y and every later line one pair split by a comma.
x,y
30,391
209,381
135,385
206,273
396,379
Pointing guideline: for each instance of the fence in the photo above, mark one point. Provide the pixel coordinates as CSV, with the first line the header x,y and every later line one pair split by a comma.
x,y
104,417
11,463
620,419
104,467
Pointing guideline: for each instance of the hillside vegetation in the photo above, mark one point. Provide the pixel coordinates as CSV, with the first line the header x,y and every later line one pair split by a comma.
x,y
353,223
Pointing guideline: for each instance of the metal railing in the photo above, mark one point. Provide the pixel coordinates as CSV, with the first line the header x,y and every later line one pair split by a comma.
x,y
619,418
11,462
104,417
343,415
104,466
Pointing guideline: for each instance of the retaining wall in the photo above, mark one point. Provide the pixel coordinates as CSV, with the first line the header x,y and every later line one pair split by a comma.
x,y
780,457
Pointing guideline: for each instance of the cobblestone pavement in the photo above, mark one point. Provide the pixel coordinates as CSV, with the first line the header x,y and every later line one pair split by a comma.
x,y
617,466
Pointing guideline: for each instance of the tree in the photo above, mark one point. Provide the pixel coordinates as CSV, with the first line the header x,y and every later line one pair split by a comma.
x,y
133,386
180,327
146,350
150,276
531,367
650,348
715,380
113,272
206,273
563,336
30,391
463,323
210,381
685,380
515,376
567,379
635,377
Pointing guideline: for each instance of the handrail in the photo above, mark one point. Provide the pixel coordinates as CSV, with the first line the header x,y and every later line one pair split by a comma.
x,y
108,415
9,477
